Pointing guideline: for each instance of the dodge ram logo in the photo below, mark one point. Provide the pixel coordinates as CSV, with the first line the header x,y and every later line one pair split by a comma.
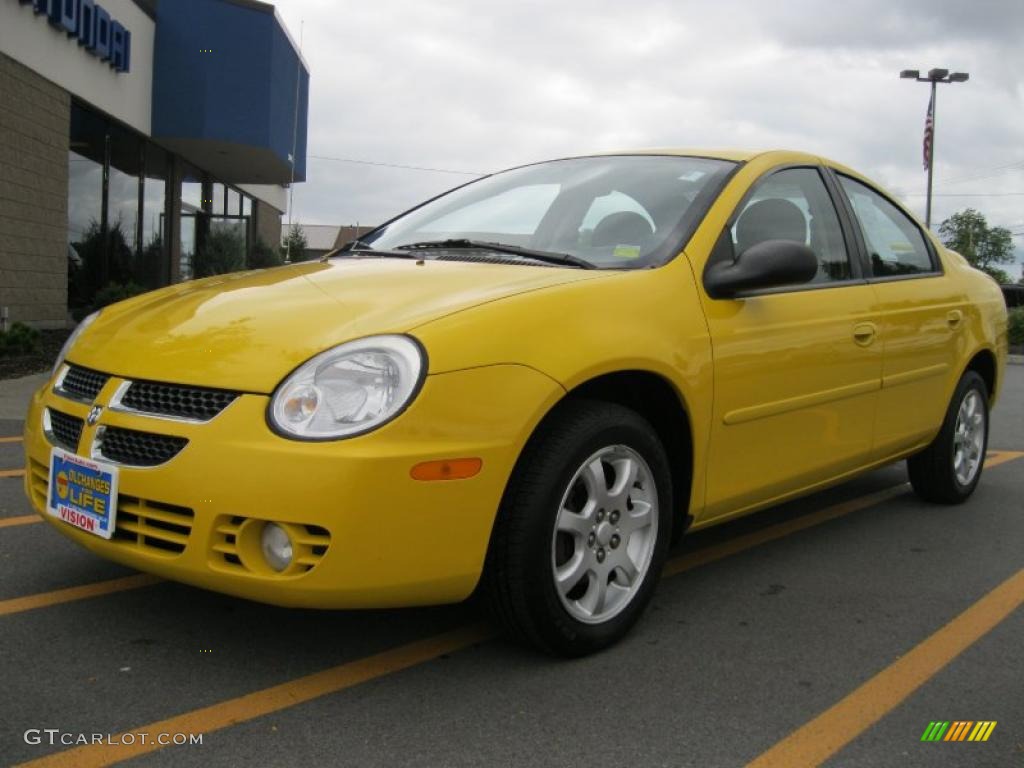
x,y
94,415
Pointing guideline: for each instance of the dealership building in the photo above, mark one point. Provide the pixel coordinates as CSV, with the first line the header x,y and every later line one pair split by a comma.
x,y
142,142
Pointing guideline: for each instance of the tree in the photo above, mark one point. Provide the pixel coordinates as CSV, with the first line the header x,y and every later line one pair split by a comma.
x,y
294,247
969,234
264,255
223,251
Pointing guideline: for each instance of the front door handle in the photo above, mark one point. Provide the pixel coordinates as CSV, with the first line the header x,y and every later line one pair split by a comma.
x,y
864,333
954,317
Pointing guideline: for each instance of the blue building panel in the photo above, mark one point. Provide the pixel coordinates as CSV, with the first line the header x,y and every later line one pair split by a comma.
x,y
225,84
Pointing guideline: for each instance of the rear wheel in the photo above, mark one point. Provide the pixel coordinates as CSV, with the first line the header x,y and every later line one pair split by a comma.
x,y
583,530
948,470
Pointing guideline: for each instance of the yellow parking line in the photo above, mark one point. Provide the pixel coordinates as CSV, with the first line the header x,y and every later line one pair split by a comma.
x,y
278,697
45,599
821,738
13,439
259,703
995,458
249,706
6,522
12,472
777,531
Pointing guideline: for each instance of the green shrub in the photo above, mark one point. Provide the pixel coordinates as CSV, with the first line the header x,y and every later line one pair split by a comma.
x,y
223,252
19,339
1016,326
264,256
111,293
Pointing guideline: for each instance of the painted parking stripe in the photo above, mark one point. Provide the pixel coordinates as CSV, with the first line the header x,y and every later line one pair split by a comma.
x,y
56,597
995,458
268,700
6,522
821,738
11,439
779,530
12,472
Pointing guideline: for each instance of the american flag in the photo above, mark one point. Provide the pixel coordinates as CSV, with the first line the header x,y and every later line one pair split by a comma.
x,y
929,130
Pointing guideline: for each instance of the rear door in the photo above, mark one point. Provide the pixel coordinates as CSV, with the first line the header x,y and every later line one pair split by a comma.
x,y
797,369
921,314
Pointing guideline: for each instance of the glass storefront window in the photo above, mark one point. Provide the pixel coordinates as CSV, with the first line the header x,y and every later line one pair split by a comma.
x,y
153,270
188,246
218,200
123,205
193,221
86,263
118,239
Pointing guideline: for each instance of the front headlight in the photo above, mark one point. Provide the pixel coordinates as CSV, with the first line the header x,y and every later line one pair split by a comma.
x,y
348,390
86,322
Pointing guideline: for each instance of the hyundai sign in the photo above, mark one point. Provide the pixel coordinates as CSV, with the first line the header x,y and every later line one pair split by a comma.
x,y
103,37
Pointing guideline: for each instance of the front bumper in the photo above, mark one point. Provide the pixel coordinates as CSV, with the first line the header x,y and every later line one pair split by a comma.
x,y
367,533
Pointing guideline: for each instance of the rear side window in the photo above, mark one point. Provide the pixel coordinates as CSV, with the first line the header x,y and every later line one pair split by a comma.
x,y
895,244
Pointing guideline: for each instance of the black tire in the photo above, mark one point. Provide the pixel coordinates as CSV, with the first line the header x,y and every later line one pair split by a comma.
x,y
519,573
932,471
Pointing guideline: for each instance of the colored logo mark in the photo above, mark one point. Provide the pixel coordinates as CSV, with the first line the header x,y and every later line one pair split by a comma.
x,y
959,730
62,485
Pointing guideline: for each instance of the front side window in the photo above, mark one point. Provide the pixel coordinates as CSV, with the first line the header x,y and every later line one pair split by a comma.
x,y
894,243
614,212
795,205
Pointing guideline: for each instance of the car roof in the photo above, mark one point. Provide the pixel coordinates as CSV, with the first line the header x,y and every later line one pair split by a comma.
x,y
735,155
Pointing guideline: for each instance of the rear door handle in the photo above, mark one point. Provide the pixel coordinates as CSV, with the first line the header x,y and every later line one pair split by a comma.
x,y
954,317
864,333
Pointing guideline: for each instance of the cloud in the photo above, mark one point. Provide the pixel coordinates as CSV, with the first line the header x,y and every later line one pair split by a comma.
x,y
477,87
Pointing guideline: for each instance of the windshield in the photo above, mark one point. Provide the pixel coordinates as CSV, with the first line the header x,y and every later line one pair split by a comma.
x,y
614,212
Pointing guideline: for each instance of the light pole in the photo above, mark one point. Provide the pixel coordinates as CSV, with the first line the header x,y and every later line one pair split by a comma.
x,y
934,76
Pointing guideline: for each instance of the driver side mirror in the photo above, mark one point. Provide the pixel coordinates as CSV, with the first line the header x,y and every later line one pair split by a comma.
x,y
768,264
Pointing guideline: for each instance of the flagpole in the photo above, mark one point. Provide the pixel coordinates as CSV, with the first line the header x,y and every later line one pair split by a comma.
x,y
295,141
934,76
931,163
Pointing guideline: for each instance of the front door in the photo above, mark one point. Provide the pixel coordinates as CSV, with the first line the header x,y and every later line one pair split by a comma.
x,y
797,370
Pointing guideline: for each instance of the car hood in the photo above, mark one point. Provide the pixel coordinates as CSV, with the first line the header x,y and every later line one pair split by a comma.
x,y
246,331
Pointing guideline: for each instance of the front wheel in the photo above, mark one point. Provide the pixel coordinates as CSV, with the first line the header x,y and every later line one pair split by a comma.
x,y
583,530
948,470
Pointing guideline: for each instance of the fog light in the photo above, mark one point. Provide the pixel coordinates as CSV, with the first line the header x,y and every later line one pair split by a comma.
x,y
277,547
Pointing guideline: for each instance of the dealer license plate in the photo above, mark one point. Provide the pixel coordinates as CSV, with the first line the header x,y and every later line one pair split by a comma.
x,y
83,492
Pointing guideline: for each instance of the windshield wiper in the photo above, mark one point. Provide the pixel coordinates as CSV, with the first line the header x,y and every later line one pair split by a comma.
x,y
480,245
362,249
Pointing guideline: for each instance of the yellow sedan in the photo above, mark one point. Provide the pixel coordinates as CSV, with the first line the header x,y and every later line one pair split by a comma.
x,y
532,385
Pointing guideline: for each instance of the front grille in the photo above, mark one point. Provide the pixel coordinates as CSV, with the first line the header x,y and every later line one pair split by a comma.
x,y
177,401
151,526
65,430
138,449
308,547
83,383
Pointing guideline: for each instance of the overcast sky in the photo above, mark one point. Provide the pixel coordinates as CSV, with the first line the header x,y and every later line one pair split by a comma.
x,y
472,86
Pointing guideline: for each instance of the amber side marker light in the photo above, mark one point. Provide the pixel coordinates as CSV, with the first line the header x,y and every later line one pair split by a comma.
x,y
446,469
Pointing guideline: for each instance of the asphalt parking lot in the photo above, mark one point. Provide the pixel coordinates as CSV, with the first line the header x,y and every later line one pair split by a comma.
x,y
833,630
